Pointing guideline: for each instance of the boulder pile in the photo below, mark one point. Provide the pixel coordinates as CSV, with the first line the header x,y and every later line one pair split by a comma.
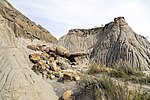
x,y
55,63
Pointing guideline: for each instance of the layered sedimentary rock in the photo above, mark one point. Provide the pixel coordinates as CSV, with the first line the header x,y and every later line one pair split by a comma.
x,y
17,80
21,25
113,43
80,40
118,42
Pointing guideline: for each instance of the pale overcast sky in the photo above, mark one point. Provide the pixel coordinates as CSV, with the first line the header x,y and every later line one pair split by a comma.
x,y
58,16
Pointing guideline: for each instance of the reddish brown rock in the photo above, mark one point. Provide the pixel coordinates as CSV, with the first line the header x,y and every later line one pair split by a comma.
x,y
76,78
52,49
68,76
68,95
34,57
42,64
45,56
62,51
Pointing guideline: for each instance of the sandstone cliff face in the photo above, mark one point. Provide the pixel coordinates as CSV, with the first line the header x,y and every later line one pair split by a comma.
x,y
22,26
113,43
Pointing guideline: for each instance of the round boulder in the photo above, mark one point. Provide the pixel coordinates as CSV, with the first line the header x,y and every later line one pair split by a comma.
x,y
32,47
68,95
34,57
62,51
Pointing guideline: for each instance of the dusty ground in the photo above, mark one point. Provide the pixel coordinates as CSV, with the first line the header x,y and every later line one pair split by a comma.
x,y
60,88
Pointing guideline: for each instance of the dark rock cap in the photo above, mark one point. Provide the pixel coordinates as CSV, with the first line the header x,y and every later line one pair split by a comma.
x,y
120,21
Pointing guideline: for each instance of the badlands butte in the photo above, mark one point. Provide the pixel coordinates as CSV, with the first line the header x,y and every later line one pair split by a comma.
x,y
102,63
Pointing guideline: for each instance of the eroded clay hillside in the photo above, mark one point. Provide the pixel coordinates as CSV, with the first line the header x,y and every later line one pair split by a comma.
x,y
102,63
21,26
110,44
17,80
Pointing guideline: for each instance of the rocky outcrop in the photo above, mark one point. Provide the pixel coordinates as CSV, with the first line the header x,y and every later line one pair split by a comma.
x,y
54,64
110,44
21,25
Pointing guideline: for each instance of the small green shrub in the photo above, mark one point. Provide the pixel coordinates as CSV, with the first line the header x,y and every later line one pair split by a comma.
x,y
118,73
145,80
138,95
124,70
102,88
96,68
105,87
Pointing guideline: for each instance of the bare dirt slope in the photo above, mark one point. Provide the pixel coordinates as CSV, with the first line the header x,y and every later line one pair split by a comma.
x,y
17,80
